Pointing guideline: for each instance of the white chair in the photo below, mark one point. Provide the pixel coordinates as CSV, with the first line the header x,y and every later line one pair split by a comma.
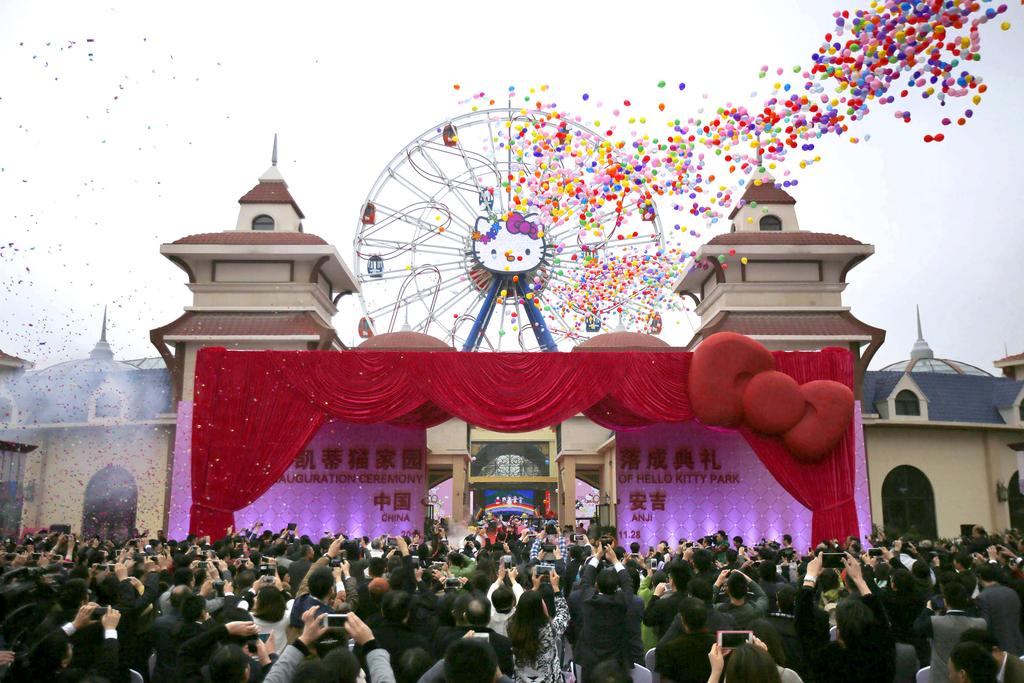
x,y
833,633
649,660
135,677
924,675
641,674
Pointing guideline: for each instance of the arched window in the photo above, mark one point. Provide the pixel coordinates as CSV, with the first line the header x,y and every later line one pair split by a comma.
x,y
109,404
263,222
111,502
510,465
770,223
907,403
908,503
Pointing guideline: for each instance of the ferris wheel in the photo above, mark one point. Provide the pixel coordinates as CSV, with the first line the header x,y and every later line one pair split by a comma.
x,y
480,230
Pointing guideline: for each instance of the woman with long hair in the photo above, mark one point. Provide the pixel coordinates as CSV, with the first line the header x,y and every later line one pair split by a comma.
x,y
748,663
535,634
269,615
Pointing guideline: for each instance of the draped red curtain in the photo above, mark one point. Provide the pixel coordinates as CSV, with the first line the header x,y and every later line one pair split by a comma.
x,y
256,410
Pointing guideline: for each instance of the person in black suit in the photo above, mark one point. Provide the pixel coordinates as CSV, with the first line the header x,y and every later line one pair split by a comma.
x,y
903,602
662,609
717,619
473,613
393,632
685,658
605,633
785,624
1000,606
165,631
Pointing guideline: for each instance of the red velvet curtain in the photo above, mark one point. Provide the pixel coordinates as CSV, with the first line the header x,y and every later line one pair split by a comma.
x,y
256,410
826,487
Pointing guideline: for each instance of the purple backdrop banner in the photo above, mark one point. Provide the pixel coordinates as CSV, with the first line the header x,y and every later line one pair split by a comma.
x,y
684,480
360,479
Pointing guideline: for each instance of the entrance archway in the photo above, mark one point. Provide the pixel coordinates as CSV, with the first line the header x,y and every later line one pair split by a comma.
x,y
111,503
908,503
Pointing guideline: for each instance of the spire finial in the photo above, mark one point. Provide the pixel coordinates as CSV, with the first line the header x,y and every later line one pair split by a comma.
x,y
102,350
921,348
273,156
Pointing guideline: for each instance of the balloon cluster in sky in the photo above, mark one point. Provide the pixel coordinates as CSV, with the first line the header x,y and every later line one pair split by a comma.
x,y
891,53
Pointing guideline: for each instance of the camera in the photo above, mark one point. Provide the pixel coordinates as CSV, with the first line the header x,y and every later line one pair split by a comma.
x,y
336,620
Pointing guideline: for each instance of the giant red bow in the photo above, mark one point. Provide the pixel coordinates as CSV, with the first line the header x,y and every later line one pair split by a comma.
x,y
733,382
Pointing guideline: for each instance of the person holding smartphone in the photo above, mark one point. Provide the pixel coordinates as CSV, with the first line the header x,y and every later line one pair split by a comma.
x,y
865,641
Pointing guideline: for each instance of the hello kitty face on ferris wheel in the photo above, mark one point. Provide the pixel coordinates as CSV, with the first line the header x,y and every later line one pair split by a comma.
x,y
515,246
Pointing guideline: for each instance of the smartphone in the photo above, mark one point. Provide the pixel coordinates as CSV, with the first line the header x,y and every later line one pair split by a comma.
x,y
292,526
266,570
336,620
219,587
452,582
481,636
36,557
544,569
439,566
392,542
832,560
576,538
547,547
98,613
733,639
874,552
250,646
507,560
966,530
264,636
203,565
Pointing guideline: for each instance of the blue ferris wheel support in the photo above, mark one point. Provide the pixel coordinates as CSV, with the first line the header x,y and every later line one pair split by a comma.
x,y
483,318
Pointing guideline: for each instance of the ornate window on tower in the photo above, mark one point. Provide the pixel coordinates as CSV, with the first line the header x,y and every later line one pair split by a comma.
x,y
510,459
263,222
768,223
510,465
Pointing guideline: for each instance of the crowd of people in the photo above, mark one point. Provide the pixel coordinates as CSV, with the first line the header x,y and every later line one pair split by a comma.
x,y
518,602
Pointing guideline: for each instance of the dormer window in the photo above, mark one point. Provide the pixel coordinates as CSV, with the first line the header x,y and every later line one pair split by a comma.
x,y
907,403
263,222
108,405
769,223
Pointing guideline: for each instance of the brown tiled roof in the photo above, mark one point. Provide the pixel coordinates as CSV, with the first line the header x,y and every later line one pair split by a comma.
x,y
808,324
1012,359
623,341
783,237
251,237
270,192
198,323
763,193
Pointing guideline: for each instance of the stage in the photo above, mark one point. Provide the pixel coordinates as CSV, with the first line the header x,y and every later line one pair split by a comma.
x,y
354,458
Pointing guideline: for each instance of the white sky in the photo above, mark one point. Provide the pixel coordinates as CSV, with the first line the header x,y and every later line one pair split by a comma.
x,y
171,121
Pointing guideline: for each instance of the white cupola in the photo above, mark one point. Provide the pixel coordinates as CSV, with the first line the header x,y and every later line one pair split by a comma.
x,y
269,206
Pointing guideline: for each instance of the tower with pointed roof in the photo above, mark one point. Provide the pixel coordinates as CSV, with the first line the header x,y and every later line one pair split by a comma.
x,y
266,284
781,285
